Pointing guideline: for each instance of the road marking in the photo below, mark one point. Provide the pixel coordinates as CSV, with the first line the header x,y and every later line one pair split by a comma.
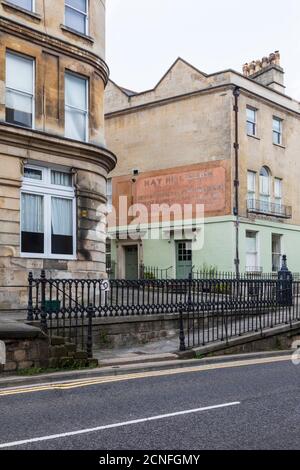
x,y
68,385
116,425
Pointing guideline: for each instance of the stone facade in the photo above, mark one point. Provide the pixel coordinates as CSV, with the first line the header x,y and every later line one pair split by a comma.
x,y
55,49
189,119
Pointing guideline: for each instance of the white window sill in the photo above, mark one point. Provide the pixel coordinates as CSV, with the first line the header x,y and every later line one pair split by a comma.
x,y
253,136
83,36
50,257
279,145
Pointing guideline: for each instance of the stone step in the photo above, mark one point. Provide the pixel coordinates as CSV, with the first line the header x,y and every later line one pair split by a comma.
x,y
57,340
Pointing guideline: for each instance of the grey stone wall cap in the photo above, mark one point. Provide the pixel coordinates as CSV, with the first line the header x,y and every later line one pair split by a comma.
x,y
15,330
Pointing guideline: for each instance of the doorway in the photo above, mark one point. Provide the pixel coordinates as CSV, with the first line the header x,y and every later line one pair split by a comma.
x,y
184,259
131,262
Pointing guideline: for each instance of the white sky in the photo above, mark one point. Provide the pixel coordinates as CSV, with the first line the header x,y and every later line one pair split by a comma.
x,y
144,37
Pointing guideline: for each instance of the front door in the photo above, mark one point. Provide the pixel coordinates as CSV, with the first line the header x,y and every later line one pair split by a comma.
x,y
131,262
184,260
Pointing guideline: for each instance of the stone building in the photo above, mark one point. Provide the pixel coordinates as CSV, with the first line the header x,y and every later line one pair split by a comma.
x,y
227,140
53,158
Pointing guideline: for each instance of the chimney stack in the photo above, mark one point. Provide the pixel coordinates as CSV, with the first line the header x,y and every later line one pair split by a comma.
x,y
266,71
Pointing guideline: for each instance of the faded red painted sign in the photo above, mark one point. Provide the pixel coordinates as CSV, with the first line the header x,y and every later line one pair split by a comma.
x,y
197,186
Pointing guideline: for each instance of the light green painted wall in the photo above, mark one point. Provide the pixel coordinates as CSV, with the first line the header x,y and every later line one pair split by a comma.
x,y
290,244
219,246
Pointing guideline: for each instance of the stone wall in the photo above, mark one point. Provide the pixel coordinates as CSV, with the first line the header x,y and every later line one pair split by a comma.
x,y
26,347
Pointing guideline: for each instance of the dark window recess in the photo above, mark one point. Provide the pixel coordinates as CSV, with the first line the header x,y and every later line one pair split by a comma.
x,y
62,245
20,118
32,242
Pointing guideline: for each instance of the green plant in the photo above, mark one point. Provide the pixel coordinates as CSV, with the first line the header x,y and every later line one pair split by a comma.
x,y
209,269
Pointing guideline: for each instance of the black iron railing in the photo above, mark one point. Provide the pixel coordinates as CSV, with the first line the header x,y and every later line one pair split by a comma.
x,y
155,273
213,309
269,208
246,307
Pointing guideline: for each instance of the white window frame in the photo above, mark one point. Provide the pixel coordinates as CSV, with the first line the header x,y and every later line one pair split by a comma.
x,y
253,123
23,8
251,192
86,112
44,188
281,249
278,196
256,253
277,119
13,53
86,14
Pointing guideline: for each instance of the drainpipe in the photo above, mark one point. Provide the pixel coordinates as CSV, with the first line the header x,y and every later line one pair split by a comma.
x,y
236,145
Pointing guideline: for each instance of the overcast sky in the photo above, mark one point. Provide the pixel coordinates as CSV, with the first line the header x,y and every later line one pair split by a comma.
x,y
144,37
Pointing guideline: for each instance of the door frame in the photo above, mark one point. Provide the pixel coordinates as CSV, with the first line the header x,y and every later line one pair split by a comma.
x,y
176,255
121,256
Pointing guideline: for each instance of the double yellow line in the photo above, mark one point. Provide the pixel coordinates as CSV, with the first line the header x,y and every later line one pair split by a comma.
x,y
62,386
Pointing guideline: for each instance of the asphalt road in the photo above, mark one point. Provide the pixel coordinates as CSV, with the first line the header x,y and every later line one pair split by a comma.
x,y
259,409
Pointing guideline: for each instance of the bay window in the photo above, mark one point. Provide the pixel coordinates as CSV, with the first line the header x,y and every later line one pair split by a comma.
x,y
76,15
19,102
76,107
47,213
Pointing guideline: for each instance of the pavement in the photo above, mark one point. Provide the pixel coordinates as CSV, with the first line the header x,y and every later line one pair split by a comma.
x,y
241,404
165,349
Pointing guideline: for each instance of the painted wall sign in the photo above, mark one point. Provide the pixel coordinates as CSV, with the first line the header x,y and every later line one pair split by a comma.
x,y
195,186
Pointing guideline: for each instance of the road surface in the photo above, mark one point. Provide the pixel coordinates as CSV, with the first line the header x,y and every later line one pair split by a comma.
x,y
246,407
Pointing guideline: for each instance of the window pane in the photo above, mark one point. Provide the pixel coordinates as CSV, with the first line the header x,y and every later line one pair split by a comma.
x,y
251,115
62,226
76,20
75,90
30,173
251,181
18,109
19,73
75,124
78,4
251,242
277,125
278,188
27,4
61,179
32,212
276,138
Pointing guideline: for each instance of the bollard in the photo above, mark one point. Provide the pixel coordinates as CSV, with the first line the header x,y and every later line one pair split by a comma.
x,y
285,285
